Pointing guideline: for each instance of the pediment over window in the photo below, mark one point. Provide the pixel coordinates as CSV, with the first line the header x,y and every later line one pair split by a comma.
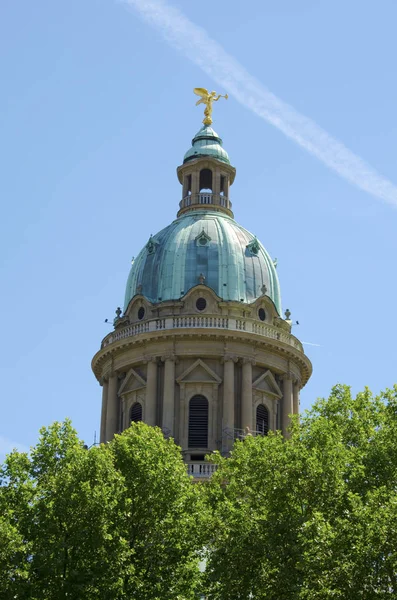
x,y
132,382
199,372
267,383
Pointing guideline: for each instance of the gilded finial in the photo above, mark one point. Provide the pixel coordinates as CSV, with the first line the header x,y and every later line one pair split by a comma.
x,y
207,98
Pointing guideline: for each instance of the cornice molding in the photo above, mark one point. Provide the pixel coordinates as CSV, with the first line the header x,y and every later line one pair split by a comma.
x,y
262,343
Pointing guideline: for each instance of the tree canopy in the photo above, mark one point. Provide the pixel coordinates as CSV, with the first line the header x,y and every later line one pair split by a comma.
x,y
313,516
120,520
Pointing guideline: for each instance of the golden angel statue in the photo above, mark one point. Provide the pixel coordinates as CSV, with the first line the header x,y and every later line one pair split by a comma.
x,y
207,98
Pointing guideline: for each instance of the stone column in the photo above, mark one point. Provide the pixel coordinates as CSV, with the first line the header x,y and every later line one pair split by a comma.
x,y
227,190
102,438
169,396
295,392
246,394
287,402
228,404
186,186
195,184
216,182
112,416
151,392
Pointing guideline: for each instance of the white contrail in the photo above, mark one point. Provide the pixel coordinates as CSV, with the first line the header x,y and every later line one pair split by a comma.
x,y
195,43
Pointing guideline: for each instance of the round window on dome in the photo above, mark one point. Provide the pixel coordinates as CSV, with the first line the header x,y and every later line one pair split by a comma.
x,y
201,304
141,313
203,241
262,314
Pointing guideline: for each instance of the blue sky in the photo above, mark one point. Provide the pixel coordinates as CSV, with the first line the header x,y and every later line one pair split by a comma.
x,y
96,112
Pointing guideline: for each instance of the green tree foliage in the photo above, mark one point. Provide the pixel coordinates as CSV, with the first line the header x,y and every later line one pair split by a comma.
x,y
120,520
314,516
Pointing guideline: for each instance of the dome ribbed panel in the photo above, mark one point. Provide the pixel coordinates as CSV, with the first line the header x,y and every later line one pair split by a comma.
x,y
229,267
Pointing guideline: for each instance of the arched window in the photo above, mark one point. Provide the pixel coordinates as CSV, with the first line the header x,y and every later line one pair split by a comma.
x,y
205,180
136,412
198,422
262,419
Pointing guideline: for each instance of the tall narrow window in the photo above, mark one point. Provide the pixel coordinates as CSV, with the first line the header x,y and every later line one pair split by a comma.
x,y
136,412
198,422
262,419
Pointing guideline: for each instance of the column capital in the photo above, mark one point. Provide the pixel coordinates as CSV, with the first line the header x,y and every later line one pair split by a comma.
x,y
297,381
229,358
150,359
103,380
289,376
169,357
248,360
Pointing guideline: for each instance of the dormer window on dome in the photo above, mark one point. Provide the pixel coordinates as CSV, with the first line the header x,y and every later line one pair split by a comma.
x,y
203,239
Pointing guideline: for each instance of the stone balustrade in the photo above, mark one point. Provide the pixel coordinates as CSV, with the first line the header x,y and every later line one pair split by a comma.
x,y
204,322
205,198
200,470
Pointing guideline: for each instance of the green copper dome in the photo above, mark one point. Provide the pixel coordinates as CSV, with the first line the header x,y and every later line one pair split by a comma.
x,y
207,143
234,263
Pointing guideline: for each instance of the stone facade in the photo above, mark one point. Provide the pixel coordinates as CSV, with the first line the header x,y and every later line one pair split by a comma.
x,y
225,353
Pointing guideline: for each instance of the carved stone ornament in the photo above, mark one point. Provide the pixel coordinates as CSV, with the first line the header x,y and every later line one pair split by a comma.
x,y
151,245
253,247
298,381
148,359
247,360
169,357
230,357
289,375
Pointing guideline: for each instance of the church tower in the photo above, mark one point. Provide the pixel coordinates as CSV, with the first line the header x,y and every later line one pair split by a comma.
x,y
201,348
